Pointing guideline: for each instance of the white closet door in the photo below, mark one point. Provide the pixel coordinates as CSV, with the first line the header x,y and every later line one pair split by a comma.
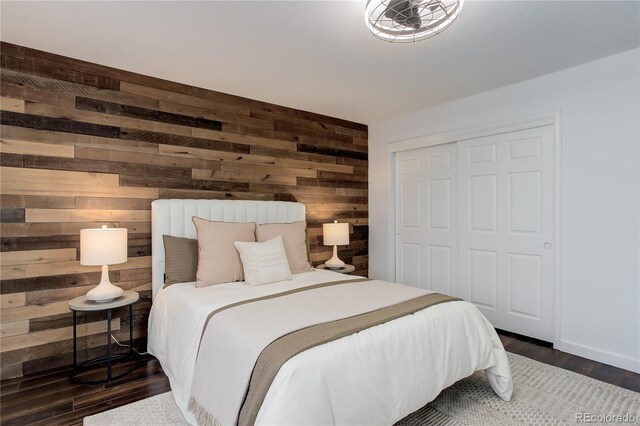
x,y
506,227
426,218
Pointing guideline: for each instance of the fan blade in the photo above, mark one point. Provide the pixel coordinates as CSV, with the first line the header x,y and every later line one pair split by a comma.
x,y
403,12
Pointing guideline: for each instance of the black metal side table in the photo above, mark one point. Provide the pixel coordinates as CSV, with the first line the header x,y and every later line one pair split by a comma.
x,y
81,304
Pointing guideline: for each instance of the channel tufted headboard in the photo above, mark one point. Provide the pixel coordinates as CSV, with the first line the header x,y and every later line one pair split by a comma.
x,y
173,217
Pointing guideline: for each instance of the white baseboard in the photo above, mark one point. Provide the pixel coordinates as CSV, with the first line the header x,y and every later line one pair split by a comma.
x,y
600,355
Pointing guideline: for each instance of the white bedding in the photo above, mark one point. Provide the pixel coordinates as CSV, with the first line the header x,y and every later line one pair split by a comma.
x,y
376,376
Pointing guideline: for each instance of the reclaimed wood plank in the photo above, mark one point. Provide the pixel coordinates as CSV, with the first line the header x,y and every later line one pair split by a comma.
x,y
59,92
58,124
26,93
335,152
161,182
74,139
293,120
56,282
327,136
32,270
241,176
270,169
37,202
87,118
12,343
14,328
243,139
213,195
105,165
212,154
11,215
11,104
27,312
112,108
146,159
17,187
80,215
36,148
50,69
93,203
13,300
58,177
179,98
37,256
260,132
190,141
212,114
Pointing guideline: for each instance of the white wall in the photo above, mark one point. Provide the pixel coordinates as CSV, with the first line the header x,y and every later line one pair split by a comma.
x,y
600,142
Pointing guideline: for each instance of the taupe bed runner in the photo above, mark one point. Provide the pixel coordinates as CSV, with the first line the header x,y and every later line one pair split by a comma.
x,y
251,341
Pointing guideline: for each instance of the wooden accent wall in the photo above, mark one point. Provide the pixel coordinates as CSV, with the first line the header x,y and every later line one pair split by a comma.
x,y
84,145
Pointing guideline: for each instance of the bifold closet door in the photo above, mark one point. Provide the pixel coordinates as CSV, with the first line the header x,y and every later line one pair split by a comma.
x,y
426,218
506,228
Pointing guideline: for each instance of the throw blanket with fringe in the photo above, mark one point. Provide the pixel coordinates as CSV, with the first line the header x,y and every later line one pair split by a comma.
x,y
244,345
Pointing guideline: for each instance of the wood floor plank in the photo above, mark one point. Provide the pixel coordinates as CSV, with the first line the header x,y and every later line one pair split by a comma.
x,y
35,413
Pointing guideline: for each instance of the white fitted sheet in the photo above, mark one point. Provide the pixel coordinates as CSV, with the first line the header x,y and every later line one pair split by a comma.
x,y
376,376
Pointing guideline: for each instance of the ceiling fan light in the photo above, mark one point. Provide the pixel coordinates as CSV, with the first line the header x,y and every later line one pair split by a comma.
x,y
406,21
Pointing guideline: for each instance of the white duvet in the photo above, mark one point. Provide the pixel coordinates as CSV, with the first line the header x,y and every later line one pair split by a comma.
x,y
376,376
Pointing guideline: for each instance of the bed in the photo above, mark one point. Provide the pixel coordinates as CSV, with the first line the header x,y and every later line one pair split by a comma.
x,y
375,376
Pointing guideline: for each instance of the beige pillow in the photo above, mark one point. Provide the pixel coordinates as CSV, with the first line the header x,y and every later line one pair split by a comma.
x,y
218,259
181,259
294,236
264,263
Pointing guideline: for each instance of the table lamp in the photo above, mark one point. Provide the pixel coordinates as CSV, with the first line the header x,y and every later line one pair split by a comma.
x,y
103,247
335,234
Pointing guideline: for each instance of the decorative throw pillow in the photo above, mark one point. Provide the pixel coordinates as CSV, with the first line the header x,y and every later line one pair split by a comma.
x,y
218,260
294,236
264,263
181,259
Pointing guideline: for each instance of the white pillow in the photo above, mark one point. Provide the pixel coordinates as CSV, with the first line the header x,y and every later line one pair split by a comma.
x,y
264,263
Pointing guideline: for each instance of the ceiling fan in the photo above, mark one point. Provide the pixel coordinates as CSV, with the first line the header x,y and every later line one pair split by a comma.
x,y
410,20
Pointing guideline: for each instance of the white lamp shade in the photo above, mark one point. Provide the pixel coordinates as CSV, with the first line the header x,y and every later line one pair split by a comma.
x,y
335,234
103,246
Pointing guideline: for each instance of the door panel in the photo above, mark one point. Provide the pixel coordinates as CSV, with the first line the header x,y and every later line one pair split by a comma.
x,y
506,198
525,202
411,264
482,278
525,282
426,217
482,203
440,267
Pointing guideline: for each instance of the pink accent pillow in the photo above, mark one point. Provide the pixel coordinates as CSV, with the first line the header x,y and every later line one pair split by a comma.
x,y
294,236
218,260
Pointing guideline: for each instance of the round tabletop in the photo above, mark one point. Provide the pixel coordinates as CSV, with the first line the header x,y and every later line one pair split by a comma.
x,y
344,270
82,304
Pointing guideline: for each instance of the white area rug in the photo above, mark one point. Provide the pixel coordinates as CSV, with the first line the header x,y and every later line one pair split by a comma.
x,y
543,394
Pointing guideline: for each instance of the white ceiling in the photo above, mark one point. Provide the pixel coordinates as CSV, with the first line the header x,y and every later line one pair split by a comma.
x,y
319,55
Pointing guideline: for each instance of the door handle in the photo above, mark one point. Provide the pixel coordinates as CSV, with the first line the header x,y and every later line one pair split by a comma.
x,y
547,245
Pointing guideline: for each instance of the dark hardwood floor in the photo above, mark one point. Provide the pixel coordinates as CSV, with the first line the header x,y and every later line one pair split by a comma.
x,y
543,352
52,399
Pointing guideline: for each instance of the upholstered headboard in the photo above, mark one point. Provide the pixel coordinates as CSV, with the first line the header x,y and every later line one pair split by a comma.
x,y
173,217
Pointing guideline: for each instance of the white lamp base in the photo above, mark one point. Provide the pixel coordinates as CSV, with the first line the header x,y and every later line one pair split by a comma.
x,y
105,291
334,262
